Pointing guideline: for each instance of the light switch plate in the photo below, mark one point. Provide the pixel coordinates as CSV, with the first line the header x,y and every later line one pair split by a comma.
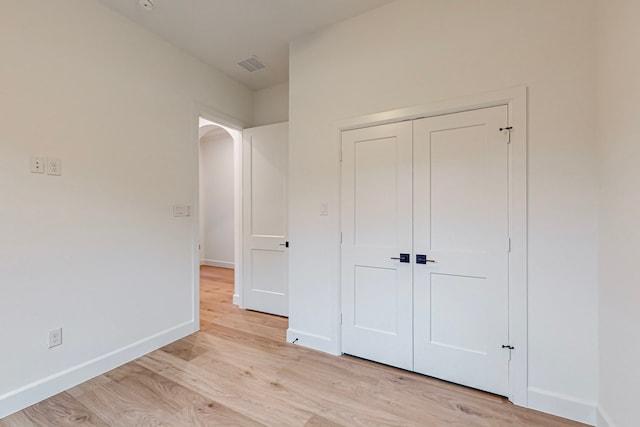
x,y
37,165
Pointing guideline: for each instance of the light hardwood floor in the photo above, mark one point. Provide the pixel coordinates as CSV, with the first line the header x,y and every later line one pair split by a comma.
x,y
239,371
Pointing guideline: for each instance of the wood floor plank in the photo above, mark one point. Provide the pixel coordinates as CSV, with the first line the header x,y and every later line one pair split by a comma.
x,y
19,419
245,326
184,350
63,410
246,338
156,389
214,414
239,371
221,309
88,385
318,421
235,388
332,395
120,406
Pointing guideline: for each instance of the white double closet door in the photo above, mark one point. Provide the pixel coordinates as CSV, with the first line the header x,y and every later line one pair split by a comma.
x,y
425,246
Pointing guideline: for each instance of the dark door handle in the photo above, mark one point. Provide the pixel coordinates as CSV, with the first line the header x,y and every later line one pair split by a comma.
x,y
285,244
403,258
422,259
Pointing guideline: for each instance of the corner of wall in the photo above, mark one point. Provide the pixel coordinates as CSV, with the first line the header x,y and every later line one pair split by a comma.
x,y
44,388
603,419
562,405
271,105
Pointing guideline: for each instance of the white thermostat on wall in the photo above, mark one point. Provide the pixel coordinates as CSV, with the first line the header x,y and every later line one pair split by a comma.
x,y
181,210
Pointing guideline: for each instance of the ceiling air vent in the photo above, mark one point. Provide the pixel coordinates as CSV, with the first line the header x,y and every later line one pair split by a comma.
x,y
251,64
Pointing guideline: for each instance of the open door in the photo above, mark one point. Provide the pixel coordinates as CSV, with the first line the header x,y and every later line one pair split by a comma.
x,y
265,260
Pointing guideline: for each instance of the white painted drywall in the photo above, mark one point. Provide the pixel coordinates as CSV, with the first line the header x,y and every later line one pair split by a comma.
x,y
619,234
417,52
216,200
271,105
97,250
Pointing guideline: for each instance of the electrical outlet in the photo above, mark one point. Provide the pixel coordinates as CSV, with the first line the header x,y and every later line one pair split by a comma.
x,y
37,165
55,337
54,166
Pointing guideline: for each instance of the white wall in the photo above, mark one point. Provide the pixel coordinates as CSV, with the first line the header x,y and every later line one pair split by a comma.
x,y
619,153
95,251
217,200
271,105
415,52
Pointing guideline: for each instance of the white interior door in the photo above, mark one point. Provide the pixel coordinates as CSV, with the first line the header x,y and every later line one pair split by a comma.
x,y
461,222
377,228
265,260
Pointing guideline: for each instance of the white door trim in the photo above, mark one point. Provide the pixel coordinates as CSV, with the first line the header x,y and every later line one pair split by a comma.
x,y
516,101
206,112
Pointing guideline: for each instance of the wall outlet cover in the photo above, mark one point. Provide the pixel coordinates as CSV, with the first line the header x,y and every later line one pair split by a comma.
x,y
55,337
54,166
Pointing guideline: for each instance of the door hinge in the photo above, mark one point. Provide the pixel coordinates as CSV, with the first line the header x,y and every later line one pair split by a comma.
x,y
341,318
341,155
508,244
508,129
341,237
509,347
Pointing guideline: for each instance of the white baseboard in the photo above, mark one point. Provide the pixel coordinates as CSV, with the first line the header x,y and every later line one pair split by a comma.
x,y
25,396
216,263
236,300
562,405
604,420
315,342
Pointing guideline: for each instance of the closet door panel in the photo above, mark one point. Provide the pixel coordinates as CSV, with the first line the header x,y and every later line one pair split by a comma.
x,y
377,227
461,226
